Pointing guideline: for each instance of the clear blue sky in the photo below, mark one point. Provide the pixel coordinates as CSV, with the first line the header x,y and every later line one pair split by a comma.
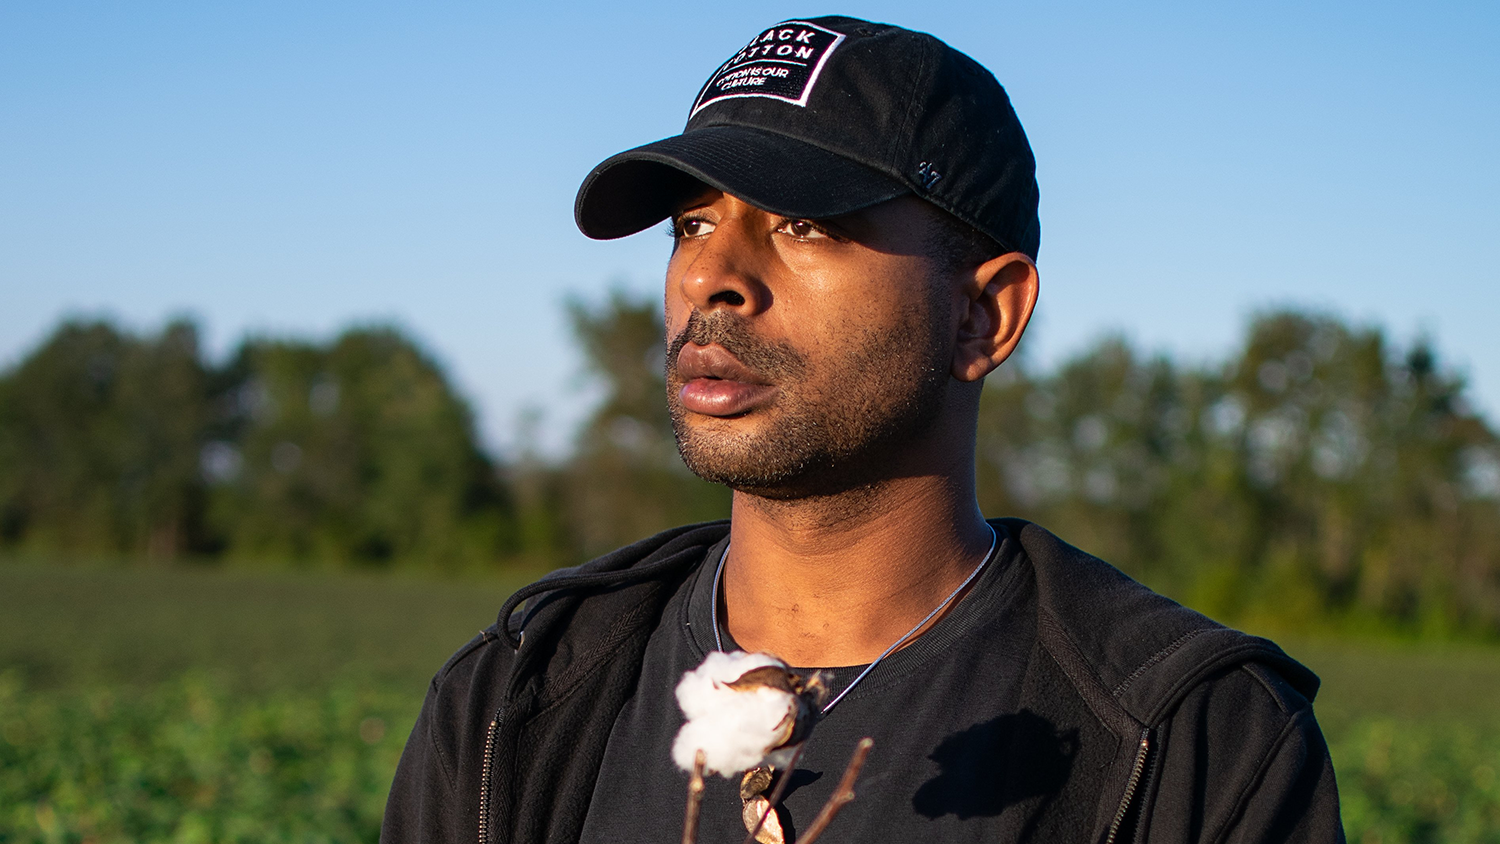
x,y
291,168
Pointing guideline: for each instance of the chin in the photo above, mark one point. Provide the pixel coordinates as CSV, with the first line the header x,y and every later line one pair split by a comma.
x,y
808,446
776,470
738,463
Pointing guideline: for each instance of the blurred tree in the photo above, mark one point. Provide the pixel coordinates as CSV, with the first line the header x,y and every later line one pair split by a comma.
x,y
99,435
541,491
358,452
1361,466
625,480
355,452
1317,474
1091,447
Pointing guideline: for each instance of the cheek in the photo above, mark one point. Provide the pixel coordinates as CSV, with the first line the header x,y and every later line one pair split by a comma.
x,y
866,303
674,315
675,306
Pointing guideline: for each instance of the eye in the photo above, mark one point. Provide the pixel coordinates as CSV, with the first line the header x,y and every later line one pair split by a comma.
x,y
691,226
803,229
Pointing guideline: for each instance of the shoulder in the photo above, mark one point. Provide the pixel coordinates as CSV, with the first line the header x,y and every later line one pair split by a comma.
x,y
462,698
1134,649
472,685
1234,750
1241,758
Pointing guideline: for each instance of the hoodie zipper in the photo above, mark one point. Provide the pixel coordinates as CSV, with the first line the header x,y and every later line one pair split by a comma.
x,y
484,780
1136,772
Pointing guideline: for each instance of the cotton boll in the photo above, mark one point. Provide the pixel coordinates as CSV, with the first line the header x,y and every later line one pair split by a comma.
x,y
703,687
737,740
737,717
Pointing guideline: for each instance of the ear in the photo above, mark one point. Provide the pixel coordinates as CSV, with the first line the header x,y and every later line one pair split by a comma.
x,y
998,296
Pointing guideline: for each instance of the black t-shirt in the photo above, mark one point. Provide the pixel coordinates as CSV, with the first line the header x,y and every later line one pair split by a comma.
x,y
940,711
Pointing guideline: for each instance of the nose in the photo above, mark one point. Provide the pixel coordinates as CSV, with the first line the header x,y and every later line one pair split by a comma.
x,y
723,271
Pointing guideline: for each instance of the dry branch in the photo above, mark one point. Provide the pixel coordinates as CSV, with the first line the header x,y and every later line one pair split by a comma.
x,y
843,794
694,801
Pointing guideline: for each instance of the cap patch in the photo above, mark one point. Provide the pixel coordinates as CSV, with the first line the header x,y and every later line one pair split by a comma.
x,y
781,63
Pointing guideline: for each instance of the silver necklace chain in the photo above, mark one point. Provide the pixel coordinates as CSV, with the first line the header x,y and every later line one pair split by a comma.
x,y
719,641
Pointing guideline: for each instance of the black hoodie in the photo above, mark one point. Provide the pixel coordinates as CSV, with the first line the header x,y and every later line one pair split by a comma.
x,y
1185,730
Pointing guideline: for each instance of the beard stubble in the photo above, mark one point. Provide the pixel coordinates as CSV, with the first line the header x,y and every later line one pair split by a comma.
x,y
836,424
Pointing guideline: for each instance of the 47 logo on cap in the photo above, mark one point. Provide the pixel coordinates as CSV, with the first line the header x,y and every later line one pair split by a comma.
x,y
782,63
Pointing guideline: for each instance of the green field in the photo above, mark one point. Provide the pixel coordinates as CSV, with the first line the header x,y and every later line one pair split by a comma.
x,y
222,705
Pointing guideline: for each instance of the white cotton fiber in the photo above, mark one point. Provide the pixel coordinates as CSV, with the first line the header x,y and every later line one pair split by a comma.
x,y
734,728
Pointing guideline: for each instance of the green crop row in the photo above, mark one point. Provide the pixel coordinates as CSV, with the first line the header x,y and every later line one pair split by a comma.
x,y
188,761
1419,782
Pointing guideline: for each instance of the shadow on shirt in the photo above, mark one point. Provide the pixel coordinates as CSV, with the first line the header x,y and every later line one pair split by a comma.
x,y
999,763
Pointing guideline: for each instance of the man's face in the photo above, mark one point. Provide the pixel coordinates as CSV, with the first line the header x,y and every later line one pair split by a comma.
x,y
803,356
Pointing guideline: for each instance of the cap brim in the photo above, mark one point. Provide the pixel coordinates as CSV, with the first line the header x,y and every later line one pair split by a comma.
x,y
641,187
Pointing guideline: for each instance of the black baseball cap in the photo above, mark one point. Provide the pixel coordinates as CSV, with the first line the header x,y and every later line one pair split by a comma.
x,y
821,117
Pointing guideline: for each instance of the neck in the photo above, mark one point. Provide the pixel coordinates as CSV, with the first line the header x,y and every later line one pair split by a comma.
x,y
835,580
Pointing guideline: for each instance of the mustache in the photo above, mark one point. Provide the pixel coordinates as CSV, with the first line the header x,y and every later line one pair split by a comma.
x,y
772,360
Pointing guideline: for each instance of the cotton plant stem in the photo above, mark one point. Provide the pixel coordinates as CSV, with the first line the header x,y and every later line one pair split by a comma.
x,y
842,795
694,800
776,794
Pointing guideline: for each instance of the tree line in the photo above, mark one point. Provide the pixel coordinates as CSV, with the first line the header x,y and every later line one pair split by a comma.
x,y
353,451
1320,471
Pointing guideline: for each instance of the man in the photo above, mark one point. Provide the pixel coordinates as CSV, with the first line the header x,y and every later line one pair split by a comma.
x,y
854,216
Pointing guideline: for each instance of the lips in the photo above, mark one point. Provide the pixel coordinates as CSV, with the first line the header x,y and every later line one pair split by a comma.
x,y
715,383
